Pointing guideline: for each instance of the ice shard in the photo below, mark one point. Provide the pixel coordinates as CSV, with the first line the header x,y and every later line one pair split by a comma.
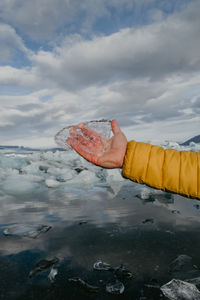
x,y
178,289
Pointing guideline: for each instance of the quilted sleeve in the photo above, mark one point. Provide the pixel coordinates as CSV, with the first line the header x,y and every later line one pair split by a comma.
x,y
169,170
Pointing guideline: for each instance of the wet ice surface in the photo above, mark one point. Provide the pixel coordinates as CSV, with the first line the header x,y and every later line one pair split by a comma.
x,y
104,230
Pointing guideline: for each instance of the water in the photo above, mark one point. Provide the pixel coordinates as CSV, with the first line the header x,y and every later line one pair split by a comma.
x,y
94,215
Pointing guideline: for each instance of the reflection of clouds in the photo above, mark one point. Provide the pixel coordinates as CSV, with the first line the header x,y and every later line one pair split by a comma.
x,y
112,219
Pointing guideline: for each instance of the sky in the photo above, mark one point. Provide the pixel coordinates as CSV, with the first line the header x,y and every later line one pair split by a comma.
x,y
67,61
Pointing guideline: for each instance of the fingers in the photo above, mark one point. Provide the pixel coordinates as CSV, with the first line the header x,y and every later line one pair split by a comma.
x,y
88,135
76,146
115,128
92,135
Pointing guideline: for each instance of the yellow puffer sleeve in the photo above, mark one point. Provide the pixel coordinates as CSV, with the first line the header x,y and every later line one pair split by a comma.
x,y
169,170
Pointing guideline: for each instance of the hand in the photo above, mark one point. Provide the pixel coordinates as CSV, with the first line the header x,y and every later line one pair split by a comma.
x,y
107,154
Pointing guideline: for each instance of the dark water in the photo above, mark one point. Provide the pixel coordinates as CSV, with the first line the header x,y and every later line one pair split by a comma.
x,y
86,226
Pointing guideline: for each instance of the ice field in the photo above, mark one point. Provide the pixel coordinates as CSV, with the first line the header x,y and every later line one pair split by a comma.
x,y
72,230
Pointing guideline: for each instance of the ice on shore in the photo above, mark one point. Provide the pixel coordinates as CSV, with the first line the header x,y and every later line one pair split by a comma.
x,y
23,173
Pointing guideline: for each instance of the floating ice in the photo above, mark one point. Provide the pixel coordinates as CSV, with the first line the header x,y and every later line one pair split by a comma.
x,y
101,127
152,195
181,263
122,273
43,265
178,289
18,184
52,274
117,288
183,268
80,282
101,266
31,231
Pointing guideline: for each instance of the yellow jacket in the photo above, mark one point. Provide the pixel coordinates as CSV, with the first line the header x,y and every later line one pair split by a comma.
x,y
169,170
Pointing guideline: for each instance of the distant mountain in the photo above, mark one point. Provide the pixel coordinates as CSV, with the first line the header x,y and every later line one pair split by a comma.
x,y
195,139
29,149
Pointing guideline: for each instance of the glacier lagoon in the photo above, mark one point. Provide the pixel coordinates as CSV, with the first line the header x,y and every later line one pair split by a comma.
x,y
60,215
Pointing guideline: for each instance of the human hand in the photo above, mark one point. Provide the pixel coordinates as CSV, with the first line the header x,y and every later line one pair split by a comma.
x,y
107,154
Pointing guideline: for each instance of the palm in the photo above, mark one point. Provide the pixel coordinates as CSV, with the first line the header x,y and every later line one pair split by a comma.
x,y
105,153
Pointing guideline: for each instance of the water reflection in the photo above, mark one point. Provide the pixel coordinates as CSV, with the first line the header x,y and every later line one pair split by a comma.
x,y
92,225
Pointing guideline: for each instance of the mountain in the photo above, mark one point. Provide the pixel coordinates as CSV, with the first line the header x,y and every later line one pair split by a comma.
x,y
195,139
15,148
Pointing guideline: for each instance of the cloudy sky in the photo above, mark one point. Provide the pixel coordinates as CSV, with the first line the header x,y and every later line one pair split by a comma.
x,y
66,61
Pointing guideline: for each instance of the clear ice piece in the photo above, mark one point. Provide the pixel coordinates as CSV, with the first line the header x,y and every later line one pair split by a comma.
x,y
52,274
181,263
178,289
101,266
80,282
122,273
26,230
116,288
43,265
101,127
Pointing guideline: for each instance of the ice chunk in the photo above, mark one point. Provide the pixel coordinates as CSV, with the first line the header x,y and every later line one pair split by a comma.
x,y
101,127
102,266
85,179
52,274
146,194
16,184
183,268
181,263
178,289
31,231
122,273
12,162
43,265
116,288
52,183
80,282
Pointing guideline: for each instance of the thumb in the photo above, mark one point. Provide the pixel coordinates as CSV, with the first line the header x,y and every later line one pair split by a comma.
x,y
115,127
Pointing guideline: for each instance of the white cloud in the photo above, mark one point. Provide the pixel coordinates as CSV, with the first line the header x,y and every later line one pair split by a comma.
x,y
19,77
43,19
155,51
10,43
146,77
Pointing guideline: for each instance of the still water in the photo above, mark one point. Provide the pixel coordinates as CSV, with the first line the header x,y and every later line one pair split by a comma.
x,y
120,227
